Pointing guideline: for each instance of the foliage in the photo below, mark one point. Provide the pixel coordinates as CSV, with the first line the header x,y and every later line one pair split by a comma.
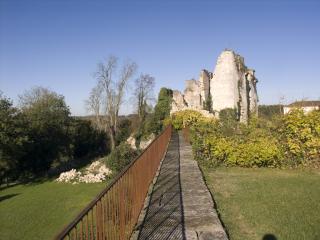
x,y
154,121
260,152
187,118
48,119
124,130
207,105
120,157
85,140
270,111
228,120
14,139
41,134
301,134
287,140
162,109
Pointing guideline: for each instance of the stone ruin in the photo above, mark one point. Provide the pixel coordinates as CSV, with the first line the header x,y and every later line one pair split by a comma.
x,y
231,85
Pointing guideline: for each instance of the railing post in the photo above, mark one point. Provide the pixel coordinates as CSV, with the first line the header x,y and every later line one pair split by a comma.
x,y
113,213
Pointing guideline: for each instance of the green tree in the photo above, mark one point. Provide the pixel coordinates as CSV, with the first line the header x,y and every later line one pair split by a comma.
x,y
13,139
48,123
86,140
161,110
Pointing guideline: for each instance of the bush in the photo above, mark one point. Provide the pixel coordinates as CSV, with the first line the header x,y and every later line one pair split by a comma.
x,y
255,148
228,121
216,150
120,157
262,152
270,111
287,140
188,118
301,134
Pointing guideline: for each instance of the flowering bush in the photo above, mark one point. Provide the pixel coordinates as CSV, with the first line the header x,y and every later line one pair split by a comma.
x,y
288,140
96,172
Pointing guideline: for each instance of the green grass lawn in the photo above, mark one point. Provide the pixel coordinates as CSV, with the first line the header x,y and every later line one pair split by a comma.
x,y
256,202
41,210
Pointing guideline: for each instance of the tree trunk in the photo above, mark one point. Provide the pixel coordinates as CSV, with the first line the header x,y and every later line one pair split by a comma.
x,y
112,135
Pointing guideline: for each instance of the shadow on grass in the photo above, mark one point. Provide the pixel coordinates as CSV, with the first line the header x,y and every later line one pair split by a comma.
x,y
8,196
6,186
269,236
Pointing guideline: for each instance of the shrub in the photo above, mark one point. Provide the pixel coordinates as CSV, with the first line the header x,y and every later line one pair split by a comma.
x,y
270,111
228,121
217,150
212,150
301,134
261,152
188,118
120,157
291,139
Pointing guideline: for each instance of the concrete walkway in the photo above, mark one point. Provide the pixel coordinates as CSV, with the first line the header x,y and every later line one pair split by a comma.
x,y
200,217
180,205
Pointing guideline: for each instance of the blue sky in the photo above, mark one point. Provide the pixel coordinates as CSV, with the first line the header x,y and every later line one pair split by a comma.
x,y
57,44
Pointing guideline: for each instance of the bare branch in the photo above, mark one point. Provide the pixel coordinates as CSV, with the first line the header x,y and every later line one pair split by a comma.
x,y
108,94
143,93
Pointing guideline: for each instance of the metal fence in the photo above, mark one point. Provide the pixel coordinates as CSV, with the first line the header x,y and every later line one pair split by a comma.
x,y
115,211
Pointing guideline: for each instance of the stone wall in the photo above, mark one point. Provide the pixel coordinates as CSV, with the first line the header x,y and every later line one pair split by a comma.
x,y
204,83
224,83
231,85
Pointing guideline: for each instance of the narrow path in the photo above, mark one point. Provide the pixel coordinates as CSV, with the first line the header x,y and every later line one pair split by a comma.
x,y
200,217
180,205
164,216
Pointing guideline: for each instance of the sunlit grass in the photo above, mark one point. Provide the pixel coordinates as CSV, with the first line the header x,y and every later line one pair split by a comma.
x,y
41,210
256,202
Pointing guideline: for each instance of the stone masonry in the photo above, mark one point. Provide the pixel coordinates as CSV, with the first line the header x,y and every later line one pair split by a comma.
x,y
231,85
179,205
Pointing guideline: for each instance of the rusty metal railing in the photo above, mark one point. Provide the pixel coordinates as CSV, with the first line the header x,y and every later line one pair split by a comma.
x,y
115,211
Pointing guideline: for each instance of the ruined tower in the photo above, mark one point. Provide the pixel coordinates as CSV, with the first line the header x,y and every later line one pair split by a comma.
x,y
231,85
